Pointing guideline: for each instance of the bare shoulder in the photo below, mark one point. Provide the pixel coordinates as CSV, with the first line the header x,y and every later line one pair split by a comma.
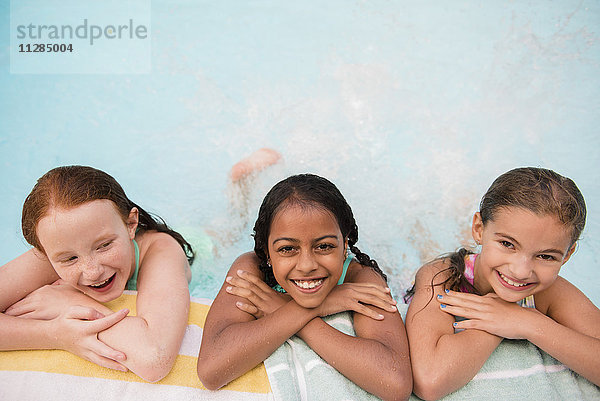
x,y
562,295
567,305
247,261
163,265
423,311
358,273
433,274
157,246
153,240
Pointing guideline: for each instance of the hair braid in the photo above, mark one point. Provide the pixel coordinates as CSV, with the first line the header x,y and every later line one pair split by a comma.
x,y
362,257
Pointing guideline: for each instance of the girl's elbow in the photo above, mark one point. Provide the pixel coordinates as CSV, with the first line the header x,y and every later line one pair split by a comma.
x,y
400,388
429,388
208,375
156,366
209,380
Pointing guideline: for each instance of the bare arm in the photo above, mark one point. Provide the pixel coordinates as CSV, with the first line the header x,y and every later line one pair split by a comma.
x,y
233,341
150,345
23,275
575,320
73,329
442,361
379,361
566,324
153,337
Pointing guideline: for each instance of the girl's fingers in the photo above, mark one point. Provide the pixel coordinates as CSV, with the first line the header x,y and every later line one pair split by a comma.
x,y
246,288
18,309
104,323
250,297
248,308
368,312
104,351
83,313
376,301
28,315
460,311
239,282
242,292
254,279
457,299
382,293
106,362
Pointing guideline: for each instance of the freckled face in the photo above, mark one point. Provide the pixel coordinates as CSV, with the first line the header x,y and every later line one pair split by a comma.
x,y
306,249
90,247
521,253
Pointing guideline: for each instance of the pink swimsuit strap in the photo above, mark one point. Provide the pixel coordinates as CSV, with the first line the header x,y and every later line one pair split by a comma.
x,y
469,272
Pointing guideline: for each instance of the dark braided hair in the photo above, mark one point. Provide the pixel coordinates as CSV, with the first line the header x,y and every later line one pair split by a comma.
x,y
312,191
541,191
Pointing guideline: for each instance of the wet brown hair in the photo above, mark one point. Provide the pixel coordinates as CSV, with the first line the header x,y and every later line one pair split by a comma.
x,y
539,190
71,186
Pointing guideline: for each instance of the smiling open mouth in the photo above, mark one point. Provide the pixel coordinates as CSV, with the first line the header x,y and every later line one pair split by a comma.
x,y
308,284
104,283
513,283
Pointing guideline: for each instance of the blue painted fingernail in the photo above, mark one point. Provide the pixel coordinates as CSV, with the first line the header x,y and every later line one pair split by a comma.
x,y
442,306
447,291
439,296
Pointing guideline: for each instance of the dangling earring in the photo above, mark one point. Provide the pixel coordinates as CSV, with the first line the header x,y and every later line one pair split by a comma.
x,y
269,264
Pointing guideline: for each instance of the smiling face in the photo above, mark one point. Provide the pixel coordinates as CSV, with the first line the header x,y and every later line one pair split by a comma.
x,y
521,253
90,247
306,250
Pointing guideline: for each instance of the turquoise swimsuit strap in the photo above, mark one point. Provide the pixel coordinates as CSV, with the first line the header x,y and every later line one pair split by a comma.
x,y
345,269
132,282
279,288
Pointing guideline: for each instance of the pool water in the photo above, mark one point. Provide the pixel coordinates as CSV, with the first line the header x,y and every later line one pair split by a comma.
x,y
411,109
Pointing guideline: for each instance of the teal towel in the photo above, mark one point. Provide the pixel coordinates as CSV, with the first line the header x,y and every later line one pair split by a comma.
x,y
516,370
297,373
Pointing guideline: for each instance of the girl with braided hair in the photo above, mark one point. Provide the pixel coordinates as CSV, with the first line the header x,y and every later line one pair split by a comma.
x,y
302,269
528,225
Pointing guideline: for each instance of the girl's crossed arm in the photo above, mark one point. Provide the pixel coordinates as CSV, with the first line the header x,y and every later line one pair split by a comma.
x,y
566,324
71,327
153,337
234,342
149,344
377,359
442,361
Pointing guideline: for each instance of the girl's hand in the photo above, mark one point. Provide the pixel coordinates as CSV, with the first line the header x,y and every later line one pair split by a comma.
x,y
261,299
356,297
77,328
47,302
489,313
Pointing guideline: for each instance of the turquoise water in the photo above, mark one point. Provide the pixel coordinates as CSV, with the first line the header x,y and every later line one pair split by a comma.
x,y
411,108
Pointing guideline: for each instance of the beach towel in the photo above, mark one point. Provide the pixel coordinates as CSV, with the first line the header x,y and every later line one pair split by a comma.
x,y
297,373
60,375
516,370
